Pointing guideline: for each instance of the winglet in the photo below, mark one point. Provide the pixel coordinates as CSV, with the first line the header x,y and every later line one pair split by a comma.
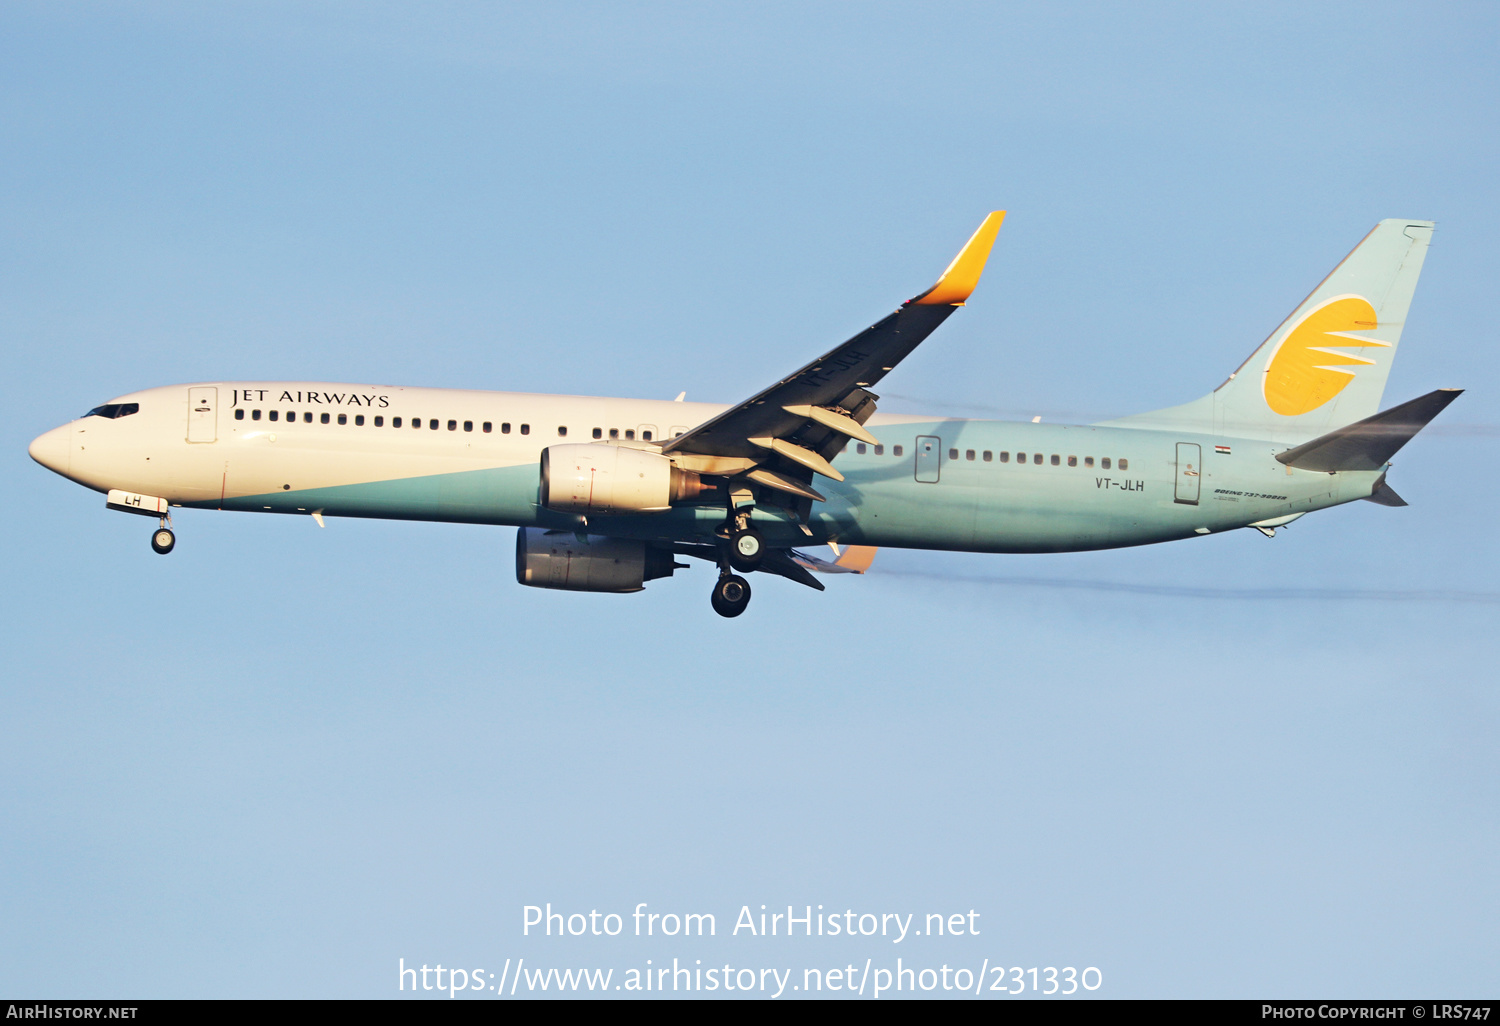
x,y
958,281
857,558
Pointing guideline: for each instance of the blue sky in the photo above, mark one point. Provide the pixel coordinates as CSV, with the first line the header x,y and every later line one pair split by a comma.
x,y
281,759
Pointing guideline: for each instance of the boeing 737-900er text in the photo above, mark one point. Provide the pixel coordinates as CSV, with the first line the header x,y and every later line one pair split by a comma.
x,y
607,493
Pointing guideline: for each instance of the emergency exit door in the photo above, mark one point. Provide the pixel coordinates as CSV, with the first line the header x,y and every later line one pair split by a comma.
x,y
1189,472
929,458
203,416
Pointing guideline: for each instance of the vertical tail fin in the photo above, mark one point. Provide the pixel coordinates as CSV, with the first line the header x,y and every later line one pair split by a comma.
x,y
1327,364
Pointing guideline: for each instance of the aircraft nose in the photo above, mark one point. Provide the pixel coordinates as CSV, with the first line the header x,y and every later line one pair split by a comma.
x,y
52,450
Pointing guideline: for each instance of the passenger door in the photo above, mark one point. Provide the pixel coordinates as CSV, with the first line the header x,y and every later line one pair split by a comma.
x,y
1189,473
203,416
929,458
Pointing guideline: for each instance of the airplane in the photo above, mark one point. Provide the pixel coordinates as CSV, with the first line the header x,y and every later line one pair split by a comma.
x,y
606,493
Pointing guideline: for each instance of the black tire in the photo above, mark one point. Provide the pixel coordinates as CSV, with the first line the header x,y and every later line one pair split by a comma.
x,y
746,548
163,541
731,595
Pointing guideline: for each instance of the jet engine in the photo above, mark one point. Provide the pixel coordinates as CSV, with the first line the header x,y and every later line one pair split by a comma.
x,y
612,479
559,559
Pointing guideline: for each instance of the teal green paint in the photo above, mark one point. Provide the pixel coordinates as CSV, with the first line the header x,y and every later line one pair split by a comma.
x,y
1383,269
502,495
975,505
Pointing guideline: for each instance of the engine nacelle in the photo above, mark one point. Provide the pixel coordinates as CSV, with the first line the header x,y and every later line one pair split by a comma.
x,y
612,479
557,559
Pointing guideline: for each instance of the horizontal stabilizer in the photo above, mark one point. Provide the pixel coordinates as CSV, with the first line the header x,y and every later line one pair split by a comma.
x,y
1384,494
1370,443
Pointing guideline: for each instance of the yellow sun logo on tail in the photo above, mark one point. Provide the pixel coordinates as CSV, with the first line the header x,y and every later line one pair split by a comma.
x,y
1303,371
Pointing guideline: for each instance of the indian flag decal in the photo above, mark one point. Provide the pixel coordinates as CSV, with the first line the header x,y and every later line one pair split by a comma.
x,y
1222,448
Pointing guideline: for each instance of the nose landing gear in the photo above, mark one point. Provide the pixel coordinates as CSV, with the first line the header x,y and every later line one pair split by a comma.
x,y
162,539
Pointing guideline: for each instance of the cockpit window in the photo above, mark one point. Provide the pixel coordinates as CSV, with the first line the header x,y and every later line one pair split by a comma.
x,y
113,411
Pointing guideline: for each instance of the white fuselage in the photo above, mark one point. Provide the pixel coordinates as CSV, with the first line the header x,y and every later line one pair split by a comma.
x,y
473,456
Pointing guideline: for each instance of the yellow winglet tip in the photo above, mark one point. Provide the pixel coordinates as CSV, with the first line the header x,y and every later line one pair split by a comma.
x,y
857,558
962,275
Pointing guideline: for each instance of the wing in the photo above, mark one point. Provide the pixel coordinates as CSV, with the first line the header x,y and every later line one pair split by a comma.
x,y
855,559
783,435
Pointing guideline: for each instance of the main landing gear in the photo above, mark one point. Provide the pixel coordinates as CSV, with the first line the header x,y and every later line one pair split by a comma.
x,y
746,547
731,595
742,548
162,539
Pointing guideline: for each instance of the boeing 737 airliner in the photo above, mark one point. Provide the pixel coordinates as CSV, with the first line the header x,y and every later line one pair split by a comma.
x,y
606,493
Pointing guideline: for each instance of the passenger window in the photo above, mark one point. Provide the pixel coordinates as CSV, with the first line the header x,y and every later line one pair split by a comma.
x,y
359,420
307,417
880,450
1072,461
343,418
645,436
255,415
860,449
1055,460
487,427
969,454
1036,457
380,422
504,428
525,429
1004,456
598,432
468,425
273,415
395,422
988,456
453,425
416,422
239,414
953,454
1088,461
895,450
630,434
324,418
1124,463
1104,463
562,432
614,432
432,425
